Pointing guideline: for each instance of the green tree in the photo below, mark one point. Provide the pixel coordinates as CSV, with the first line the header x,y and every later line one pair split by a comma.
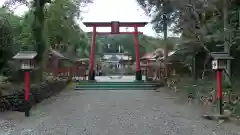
x,y
163,13
39,34
127,43
63,32
9,31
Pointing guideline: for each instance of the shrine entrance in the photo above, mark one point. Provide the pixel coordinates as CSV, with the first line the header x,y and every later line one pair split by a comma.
x,y
115,26
118,82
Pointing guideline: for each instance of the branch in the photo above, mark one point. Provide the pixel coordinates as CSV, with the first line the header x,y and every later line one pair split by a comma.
x,y
200,41
9,3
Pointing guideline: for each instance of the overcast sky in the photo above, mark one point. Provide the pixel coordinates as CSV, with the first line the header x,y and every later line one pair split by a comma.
x,y
110,10
117,10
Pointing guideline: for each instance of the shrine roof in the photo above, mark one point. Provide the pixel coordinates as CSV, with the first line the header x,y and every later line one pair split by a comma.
x,y
113,58
121,24
169,54
126,54
56,53
148,55
83,59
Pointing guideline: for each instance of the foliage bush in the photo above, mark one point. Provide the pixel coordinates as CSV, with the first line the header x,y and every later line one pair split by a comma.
x,y
226,85
15,100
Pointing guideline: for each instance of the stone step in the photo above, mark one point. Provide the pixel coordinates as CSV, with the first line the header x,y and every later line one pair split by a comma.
x,y
135,85
119,83
107,85
116,88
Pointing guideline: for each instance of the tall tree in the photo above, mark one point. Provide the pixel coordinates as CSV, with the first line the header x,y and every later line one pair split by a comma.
x,y
6,41
9,30
64,34
163,13
38,25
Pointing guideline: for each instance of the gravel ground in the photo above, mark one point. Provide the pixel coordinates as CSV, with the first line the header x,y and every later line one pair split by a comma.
x,y
117,113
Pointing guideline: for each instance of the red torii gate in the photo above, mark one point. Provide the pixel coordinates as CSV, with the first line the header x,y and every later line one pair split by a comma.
x,y
115,25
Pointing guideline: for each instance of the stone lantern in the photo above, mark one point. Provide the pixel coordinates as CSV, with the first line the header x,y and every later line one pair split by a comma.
x,y
26,60
219,64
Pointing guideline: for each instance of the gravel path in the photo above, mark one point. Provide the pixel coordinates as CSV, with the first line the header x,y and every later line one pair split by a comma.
x,y
117,113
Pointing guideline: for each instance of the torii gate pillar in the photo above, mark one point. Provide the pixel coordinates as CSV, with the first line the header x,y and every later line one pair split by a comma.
x,y
114,30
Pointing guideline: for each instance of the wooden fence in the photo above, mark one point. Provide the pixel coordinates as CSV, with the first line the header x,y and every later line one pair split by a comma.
x,y
73,73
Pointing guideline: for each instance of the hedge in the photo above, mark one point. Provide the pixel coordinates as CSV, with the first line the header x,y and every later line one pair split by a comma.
x,y
15,101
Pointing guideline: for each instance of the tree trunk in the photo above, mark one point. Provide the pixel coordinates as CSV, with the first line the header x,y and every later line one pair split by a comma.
x,y
194,65
165,33
226,37
38,31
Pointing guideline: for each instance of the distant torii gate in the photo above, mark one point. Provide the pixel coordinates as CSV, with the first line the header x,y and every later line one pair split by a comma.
x,y
115,25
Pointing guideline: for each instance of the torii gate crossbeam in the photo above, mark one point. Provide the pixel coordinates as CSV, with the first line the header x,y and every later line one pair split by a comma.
x,y
115,25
